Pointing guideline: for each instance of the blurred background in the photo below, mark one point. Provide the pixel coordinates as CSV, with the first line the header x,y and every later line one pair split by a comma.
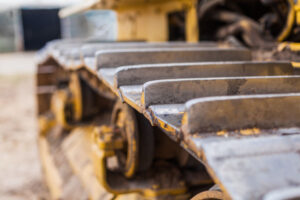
x,y
26,26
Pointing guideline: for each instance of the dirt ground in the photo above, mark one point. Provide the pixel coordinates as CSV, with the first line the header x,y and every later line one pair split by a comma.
x,y
20,170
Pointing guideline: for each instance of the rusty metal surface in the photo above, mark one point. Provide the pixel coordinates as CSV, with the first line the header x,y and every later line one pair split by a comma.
x,y
89,50
117,58
181,90
131,78
71,53
253,168
168,117
57,49
86,54
139,74
240,117
133,95
242,112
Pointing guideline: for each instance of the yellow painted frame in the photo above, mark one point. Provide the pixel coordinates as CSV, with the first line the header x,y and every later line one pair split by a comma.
x,y
149,21
144,19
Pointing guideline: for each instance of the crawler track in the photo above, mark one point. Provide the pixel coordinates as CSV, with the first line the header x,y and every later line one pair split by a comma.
x,y
236,116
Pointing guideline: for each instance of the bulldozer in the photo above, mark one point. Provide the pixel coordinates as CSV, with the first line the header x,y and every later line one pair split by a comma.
x,y
196,99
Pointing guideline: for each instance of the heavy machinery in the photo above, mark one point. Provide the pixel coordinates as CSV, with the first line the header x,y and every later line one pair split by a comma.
x,y
143,118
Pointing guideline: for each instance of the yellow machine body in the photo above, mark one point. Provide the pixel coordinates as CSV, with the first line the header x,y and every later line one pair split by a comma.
x,y
143,20
89,138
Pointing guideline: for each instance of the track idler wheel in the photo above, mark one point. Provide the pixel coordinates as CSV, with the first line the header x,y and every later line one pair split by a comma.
x,y
137,154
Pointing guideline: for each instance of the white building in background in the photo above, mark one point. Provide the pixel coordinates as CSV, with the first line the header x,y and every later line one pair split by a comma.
x,y
14,3
29,24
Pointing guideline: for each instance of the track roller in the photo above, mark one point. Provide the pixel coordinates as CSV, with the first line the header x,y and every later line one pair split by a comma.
x,y
137,132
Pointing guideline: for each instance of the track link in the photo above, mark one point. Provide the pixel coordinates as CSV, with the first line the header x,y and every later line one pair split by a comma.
x,y
238,117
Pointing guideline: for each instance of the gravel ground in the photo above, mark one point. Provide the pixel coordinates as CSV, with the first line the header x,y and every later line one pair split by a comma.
x,y
20,170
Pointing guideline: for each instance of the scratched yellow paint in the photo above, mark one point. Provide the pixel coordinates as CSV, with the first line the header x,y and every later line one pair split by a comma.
x,y
222,133
251,131
76,96
165,126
